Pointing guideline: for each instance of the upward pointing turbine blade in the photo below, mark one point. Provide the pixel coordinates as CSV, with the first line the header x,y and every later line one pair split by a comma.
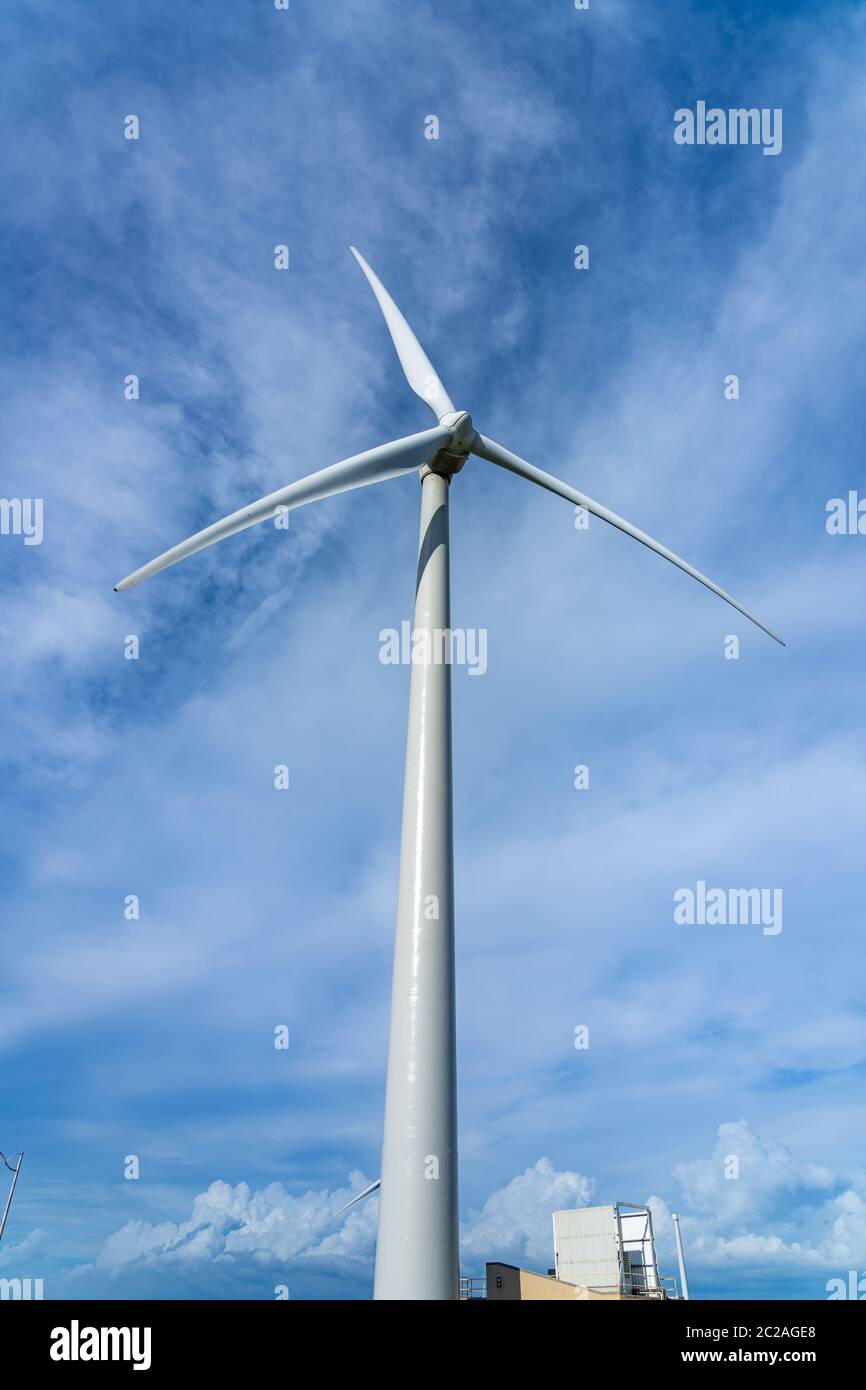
x,y
420,373
374,466
495,453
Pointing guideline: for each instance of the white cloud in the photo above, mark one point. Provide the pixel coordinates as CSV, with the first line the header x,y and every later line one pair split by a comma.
x,y
18,1258
229,1223
760,1172
515,1222
773,1214
765,1219
275,1228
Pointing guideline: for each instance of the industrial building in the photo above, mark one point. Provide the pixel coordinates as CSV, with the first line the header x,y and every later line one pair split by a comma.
x,y
604,1253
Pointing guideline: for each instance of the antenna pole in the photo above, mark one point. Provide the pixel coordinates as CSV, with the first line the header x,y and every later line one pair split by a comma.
x,y
417,1245
14,1171
683,1280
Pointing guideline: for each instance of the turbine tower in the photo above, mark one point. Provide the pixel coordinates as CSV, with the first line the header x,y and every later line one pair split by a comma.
x,y
417,1244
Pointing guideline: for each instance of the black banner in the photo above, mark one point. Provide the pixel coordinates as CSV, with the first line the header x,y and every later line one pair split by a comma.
x,y
639,1336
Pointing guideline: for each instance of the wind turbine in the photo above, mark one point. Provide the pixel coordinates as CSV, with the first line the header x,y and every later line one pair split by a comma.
x,y
417,1243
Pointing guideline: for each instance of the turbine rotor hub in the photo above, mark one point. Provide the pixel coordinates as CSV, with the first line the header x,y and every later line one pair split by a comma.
x,y
452,458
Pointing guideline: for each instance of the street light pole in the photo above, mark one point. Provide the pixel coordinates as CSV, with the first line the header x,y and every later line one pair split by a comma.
x,y
683,1280
14,1171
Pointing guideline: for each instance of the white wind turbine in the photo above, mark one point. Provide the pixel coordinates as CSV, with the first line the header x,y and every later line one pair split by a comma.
x,y
417,1244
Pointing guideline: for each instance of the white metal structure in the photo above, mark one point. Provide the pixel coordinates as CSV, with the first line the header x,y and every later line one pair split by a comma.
x,y
608,1249
640,1264
416,1255
586,1247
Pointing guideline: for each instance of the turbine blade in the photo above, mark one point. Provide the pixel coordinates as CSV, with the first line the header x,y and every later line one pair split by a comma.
x,y
359,1197
495,453
415,363
374,466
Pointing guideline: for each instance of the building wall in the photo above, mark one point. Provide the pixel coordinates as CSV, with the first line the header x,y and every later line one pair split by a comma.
x,y
510,1284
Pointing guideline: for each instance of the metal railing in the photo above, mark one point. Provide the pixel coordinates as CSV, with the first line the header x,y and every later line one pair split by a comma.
x,y
472,1286
642,1287
637,1287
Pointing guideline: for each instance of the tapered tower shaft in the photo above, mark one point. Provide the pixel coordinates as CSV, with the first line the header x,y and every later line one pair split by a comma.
x,y
417,1246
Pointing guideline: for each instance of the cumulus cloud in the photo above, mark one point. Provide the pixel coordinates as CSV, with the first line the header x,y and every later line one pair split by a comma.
x,y
778,1214
17,1257
515,1222
270,1225
745,1175
276,1230
753,1204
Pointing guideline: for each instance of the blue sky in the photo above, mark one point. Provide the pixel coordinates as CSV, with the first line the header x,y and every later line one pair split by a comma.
x,y
154,777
